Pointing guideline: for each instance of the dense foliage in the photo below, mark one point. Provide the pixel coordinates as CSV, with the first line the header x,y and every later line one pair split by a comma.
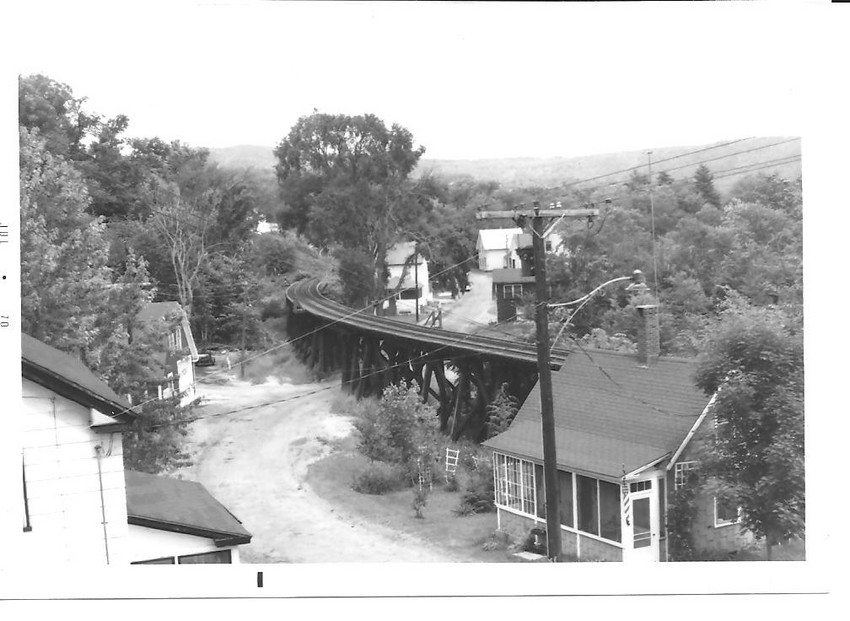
x,y
400,430
753,362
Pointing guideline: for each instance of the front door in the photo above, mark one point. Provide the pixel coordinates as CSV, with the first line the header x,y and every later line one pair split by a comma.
x,y
642,537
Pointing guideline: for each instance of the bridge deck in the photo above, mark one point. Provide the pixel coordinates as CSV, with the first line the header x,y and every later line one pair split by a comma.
x,y
306,295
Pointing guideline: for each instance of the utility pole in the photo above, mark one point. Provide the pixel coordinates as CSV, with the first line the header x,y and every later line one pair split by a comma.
x,y
541,318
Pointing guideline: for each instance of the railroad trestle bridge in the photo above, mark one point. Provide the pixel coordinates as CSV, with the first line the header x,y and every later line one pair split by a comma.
x,y
462,372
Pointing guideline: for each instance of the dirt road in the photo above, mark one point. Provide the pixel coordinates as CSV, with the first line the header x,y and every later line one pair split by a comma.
x,y
475,308
255,462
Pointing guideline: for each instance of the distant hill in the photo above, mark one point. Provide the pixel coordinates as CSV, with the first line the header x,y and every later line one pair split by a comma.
x,y
728,163
244,156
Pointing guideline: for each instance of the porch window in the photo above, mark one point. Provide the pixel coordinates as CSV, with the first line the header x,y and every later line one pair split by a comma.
x,y
540,490
609,510
565,497
588,505
515,486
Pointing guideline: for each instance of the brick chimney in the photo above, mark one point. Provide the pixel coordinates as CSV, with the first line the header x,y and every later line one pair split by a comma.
x,y
649,337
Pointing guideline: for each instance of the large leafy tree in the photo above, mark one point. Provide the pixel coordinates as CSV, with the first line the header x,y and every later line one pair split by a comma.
x,y
64,272
344,181
51,108
753,361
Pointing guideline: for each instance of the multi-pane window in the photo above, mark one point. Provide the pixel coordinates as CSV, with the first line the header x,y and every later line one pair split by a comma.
x,y
683,471
512,291
515,486
640,486
520,486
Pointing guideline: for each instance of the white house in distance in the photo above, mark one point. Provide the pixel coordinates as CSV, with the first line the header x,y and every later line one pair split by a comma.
x,y
497,248
409,268
78,505
178,353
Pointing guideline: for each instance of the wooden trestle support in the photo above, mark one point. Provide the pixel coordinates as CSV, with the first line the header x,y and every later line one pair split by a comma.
x,y
461,385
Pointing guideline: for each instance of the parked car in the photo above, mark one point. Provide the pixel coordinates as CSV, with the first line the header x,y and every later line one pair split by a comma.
x,y
205,359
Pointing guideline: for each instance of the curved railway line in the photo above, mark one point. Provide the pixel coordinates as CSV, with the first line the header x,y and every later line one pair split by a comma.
x,y
463,372
306,296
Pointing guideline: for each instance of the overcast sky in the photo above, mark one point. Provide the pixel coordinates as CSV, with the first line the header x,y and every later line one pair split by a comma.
x,y
470,80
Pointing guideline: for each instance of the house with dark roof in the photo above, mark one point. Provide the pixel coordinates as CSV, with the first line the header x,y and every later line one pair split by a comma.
x,y
178,351
77,504
172,521
626,427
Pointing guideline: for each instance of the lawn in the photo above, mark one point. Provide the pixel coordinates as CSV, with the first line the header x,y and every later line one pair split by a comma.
x,y
463,537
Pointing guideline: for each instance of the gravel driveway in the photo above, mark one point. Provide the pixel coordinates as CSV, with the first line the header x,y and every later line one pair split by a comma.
x,y
255,462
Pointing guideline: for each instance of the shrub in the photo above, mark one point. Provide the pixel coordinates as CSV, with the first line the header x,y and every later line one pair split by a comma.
x,y
452,484
377,478
400,430
479,490
501,411
420,499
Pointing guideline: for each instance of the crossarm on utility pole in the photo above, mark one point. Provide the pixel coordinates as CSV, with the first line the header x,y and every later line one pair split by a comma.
x,y
543,213
547,413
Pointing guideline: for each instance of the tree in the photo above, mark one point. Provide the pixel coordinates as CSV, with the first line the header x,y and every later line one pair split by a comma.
x,y
64,272
753,362
770,190
183,224
664,178
51,108
344,180
704,185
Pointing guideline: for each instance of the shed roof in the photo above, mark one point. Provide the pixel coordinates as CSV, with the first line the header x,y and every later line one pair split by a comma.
x,y
180,506
612,414
497,239
509,275
70,378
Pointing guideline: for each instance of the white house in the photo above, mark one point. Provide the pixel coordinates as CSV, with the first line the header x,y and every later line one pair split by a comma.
x,y
178,353
78,505
74,504
497,249
408,269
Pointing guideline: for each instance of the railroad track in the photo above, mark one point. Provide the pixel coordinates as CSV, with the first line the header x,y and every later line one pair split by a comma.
x,y
306,296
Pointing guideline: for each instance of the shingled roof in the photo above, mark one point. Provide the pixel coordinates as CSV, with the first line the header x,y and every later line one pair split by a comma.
x,y
70,378
612,414
174,505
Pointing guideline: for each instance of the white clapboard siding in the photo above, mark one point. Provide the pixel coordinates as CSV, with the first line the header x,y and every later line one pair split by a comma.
x,y
67,496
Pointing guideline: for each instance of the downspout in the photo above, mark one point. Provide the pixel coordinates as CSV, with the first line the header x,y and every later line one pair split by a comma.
x,y
98,449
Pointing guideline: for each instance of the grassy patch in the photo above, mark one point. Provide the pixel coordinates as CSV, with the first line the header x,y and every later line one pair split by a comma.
x,y
463,537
